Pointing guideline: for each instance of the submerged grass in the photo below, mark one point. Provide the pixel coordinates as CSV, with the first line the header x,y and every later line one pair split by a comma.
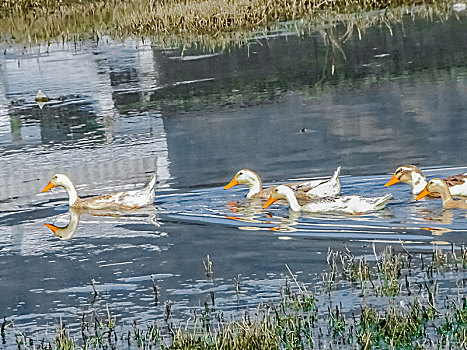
x,y
172,22
301,320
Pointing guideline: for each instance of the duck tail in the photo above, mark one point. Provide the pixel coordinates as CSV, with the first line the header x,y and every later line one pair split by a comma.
x,y
335,182
380,202
152,183
335,176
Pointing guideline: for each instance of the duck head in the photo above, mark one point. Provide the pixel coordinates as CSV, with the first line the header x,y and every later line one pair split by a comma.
x,y
58,180
408,174
63,181
433,187
246,177
283,192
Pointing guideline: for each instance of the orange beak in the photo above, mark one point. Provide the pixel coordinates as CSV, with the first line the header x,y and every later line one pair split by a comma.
x,y
53,228
422,194
393,181
48,187
231,184
269,202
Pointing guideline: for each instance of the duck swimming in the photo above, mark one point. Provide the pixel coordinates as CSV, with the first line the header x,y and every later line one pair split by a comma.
x,y
438,186
413,176
344,204
305,190
120,200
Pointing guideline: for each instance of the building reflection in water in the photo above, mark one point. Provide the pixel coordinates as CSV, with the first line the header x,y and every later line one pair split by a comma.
x,y
81,130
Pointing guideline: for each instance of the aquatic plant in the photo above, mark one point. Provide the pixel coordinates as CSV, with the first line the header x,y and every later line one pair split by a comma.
x,y
389,269
301,320
397,327
63,341
336,322
2,330
208,267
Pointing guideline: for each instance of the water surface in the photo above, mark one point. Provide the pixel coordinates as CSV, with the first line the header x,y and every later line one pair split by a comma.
x,y
120,111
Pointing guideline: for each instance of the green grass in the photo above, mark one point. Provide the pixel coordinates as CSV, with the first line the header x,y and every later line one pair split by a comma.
x,y
418,316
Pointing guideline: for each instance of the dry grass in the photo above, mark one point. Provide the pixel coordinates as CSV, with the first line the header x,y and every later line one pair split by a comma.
x,y
39,21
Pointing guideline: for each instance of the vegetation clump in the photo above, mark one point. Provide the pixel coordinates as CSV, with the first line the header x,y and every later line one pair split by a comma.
x,y
413,315
396,327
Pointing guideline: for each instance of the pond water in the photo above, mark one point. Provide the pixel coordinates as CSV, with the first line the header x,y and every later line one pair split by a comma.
x,y
121,111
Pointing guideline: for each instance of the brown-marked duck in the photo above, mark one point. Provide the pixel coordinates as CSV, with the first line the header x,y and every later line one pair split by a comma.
x,y
121,200
305,190
440,187
413,176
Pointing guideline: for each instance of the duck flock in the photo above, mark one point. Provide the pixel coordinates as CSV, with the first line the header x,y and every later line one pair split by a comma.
x,y
316,196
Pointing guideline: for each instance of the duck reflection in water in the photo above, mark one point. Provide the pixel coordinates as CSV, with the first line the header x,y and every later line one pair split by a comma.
x,y
287,224
246,211
67,232
252,210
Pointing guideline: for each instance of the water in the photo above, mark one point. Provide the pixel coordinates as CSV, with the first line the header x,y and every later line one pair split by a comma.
x,y
120,111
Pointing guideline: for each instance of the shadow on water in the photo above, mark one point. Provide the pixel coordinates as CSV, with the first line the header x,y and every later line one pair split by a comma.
x,y
120,111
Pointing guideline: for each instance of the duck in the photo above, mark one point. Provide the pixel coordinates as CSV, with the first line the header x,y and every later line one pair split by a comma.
x,y
439,186
304,190
134,199
413,176
345,204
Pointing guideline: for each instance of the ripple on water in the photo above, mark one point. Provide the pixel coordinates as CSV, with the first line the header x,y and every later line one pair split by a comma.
x,y
404,220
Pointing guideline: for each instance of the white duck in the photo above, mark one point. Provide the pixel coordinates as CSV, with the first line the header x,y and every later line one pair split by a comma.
x,y
413,176
121,200
344,204
312,188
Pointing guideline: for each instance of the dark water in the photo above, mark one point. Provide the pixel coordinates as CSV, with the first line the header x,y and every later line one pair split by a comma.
x,y
122,111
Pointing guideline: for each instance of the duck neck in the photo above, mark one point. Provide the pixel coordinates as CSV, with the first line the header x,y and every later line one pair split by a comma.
x,y
72,193
255,187
293,203
446,197
418,183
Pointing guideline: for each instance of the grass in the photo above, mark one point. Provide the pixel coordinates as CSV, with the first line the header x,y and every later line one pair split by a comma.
x,y
185,22
413,315
395,327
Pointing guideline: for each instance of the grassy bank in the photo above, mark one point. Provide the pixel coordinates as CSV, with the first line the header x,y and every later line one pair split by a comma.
x,y
407,301
179,21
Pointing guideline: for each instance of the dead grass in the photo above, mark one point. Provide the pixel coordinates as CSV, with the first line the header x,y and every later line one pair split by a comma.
x,y
182,21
